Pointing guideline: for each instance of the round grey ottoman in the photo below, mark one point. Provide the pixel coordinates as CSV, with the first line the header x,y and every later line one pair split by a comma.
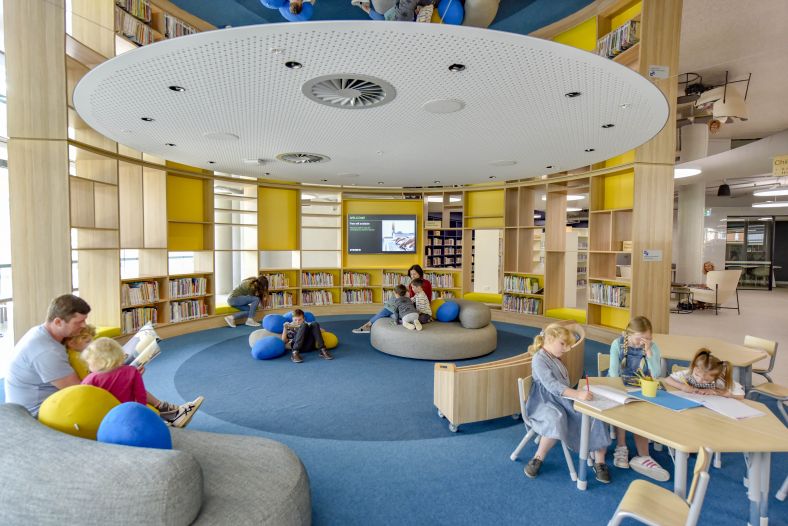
x,y
438,341
258,334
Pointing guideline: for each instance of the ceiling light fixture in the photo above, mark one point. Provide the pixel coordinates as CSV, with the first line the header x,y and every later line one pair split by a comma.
x,y
211,162
169,144
681,173
588,150
572,94
456,68
770,193
436,182
292,64
609,125
771,204
724,190
324,180
147,119
177,89
381,182
626,106
492,177
549,167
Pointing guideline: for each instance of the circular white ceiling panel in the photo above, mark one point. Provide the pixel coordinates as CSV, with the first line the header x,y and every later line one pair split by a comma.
x,y
243,98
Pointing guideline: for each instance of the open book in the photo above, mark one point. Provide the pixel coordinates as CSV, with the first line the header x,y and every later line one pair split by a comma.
x,y
729,407
142,347
605,397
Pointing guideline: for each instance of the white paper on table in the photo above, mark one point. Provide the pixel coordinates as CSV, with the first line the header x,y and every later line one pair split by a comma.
x,y
729,407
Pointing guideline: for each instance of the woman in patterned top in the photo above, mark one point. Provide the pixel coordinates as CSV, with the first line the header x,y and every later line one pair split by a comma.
x,y
707,375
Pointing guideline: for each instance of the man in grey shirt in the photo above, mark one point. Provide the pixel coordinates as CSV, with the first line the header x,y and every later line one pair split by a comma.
x,y
40,365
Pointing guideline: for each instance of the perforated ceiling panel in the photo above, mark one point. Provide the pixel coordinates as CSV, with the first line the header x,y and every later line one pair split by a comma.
x,y
236,84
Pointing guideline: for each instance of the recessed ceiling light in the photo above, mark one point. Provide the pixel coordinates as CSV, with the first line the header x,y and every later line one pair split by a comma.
x,y
771,204
549,167
179,89
456,68
169,144
770,193
606,126
436,182
292,64
589,149
572,94
276,50
324,180
381,182
626,106
680,173
211,162
147,119
573,209
570,197
491,177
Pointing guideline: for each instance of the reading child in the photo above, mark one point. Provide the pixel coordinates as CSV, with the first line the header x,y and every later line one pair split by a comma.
x,y
300,336
104,358
422,304
632,353
707,375
552,415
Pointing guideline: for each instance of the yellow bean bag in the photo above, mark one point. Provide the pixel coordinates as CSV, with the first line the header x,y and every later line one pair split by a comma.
x,y
107,332
78,364
77,410
435,305
330,339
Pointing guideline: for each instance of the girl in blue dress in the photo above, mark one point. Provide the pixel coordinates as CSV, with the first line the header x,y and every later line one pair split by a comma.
x,y
550,414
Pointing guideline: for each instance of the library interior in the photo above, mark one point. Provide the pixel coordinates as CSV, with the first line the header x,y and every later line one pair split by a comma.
x,y
366,262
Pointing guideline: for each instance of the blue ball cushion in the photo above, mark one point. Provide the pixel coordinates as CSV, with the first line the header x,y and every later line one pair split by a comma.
x,y
133,424
309,317
268,348
307,10
448,311
451,11
274,323
288,316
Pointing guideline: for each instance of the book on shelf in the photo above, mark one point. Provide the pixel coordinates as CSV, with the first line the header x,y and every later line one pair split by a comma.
x,y
389,295
444,281
139,292
137,8
175,27
278,300
185,287
729,407
317,279
520,304
357,296
611,295
135,318
355,279
187,310
520,284
132,28
277,280
391,279
317,297
443,294
619,40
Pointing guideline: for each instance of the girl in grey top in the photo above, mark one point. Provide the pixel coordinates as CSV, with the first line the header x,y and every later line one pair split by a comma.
x,y
547,411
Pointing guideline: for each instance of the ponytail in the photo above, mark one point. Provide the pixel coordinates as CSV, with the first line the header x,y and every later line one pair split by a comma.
x,y
537,344
554,331
727,375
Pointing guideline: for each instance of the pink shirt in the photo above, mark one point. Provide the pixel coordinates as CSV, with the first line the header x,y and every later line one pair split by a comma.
x,y
125,383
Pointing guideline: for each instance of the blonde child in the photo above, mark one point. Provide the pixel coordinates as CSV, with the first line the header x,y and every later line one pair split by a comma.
x,y
74,347
550,414
708,375
635,351
105,360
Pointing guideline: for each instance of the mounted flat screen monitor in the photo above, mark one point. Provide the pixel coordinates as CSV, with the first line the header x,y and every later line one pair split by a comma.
x,y
381,234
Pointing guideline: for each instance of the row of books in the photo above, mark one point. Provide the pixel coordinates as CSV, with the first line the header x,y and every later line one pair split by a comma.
x,y
185,287
187,310
391,279
277,281
442,294
277,300
613,295
355,279
317,279
441,251
137,8
139,292
131,28
449,241
521,304
520,284
443,261
174,27
619,40
317,297
444,281
132,319
357,296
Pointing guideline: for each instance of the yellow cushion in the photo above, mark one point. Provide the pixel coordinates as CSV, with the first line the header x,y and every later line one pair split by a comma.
x,y
330,339
225,309
435,305
78,364
77,410
483,297
107,332
578,315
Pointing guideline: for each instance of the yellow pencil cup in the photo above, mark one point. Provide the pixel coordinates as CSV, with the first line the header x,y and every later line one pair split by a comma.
x,y
649,388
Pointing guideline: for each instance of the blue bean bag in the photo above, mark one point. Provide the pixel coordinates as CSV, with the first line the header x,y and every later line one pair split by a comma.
x,y
451,12
307,10
268,348
274,4
448,311
274,323
133,424
288,317
309,317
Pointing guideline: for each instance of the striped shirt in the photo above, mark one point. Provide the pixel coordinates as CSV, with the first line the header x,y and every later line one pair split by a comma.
x,y
422,303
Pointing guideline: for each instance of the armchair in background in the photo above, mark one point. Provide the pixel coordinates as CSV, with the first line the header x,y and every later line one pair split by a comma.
x,y
721,286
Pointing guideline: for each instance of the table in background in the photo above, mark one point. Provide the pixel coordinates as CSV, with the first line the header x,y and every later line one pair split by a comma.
x,y
679,291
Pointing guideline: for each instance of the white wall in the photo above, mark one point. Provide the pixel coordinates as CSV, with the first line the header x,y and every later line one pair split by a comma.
x,y
486,260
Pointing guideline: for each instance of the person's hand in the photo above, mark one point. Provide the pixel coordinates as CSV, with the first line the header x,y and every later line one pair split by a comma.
x,y
141,369
721,392
584,395
647,347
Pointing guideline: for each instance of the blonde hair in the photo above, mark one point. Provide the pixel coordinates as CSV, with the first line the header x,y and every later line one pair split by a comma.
x,y
88,331
104,354
553,331
710,364
637,324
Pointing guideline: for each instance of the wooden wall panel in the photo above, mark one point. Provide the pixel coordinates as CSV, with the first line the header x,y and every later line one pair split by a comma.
x,y
154,210
93,24
131,217
82,204
106,199
99,282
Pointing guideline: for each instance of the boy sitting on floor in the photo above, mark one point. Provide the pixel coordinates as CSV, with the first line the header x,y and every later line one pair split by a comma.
x,y
300,335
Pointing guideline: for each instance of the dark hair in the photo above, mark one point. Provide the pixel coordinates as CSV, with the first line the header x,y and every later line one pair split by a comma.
x,y
261,285
400,290
66,306
298,312
710,364
418,269
418,282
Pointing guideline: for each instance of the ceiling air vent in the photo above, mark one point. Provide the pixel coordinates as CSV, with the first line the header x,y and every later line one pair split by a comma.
x,y
349,91
303,158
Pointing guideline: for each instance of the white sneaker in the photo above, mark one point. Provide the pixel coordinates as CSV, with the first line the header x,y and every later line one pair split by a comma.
x,y
417,323
230,321
408,325
361,330
251,323
186,412
648,466
621,457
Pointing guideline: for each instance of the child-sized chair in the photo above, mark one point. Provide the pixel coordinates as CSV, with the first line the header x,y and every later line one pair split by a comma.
x,y
524,388
651,504
769,347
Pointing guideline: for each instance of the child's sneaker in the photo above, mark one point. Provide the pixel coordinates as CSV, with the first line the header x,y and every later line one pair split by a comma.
x,y
648,466
602,473
251,323
364,329
186,412
408,325
417,324
532,468
230,321
621,457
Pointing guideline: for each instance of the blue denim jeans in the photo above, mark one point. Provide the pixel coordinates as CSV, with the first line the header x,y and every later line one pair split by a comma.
x,y
246,304
384,313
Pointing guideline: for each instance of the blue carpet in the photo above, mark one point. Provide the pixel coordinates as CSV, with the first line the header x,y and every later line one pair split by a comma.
x,y
415,476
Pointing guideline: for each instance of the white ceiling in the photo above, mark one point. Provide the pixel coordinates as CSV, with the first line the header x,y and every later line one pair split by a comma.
x,y
742,36
236,83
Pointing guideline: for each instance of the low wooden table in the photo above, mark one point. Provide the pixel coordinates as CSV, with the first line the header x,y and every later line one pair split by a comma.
x,y
686,293
687,431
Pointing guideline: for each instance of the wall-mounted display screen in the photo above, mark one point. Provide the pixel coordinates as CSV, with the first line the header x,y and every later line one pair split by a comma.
x,y
381,234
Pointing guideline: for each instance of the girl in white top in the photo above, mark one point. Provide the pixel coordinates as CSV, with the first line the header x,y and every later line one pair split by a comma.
x,y
707,374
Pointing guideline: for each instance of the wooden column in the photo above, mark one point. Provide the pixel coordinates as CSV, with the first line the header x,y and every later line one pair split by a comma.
x,y
37,156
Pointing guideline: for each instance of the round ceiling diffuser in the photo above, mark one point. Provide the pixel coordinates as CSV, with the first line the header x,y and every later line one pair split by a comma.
x,y
349,91
303,158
